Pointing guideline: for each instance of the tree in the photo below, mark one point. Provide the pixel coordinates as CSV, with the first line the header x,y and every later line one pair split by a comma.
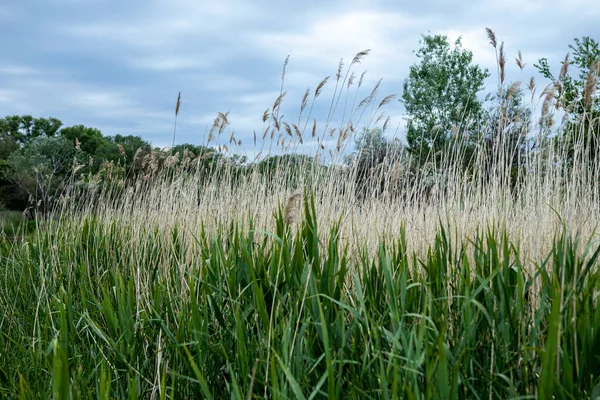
x,y
576,97
41,168
123,149
440,97
89,139
373,149
22,129
15,132
8,145
506,133
568,91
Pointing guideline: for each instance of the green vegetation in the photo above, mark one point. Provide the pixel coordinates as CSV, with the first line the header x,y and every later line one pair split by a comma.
x,y
574,96
440,97
99,309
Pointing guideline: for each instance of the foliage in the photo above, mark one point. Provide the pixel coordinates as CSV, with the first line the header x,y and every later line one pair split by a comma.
x,y
567,89
88,139
575,96
506,134
440,97
206,156
8,145
41,167
371,148
271,163
373,153
23,129
127,150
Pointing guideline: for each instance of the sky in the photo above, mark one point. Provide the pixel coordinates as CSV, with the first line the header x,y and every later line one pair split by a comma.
x,y
119,65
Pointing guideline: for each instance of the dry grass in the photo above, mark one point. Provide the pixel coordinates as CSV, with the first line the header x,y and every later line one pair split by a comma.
x,y
291,208
398,195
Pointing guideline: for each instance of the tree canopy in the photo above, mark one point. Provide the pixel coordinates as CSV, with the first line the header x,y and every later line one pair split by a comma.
x,y
440,96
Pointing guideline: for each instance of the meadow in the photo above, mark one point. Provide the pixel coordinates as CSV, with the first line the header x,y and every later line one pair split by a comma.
x,y
315,279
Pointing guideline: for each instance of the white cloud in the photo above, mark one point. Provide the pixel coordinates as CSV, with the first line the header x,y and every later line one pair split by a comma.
x,y
16,70
544,10
331,37
163,23
168,62
476,41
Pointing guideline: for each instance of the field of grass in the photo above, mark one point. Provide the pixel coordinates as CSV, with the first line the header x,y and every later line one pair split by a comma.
x,y
93,309
432,283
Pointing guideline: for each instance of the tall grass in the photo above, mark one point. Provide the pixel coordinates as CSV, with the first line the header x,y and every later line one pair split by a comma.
x,y
466,278
100,310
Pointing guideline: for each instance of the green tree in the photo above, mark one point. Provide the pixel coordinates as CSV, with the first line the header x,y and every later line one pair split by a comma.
x,y
15,132
41,168
123,149
440,97
372,150
89,139
8,145
568,90
372,147
508,123
23,129
131,144
576,96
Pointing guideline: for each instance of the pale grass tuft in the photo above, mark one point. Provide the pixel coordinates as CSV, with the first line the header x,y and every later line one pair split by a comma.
x,y
386,100
278,101
519,60
178,104
297,132
320,87
362,78
285,64
501,62
492,37
288,128
513,89
359,56
379,118
338,74
304,101
351,80
564,69
549,96
386,123
531,85
590,84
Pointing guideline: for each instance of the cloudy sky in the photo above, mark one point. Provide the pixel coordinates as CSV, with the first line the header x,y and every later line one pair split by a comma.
x,y
118,65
